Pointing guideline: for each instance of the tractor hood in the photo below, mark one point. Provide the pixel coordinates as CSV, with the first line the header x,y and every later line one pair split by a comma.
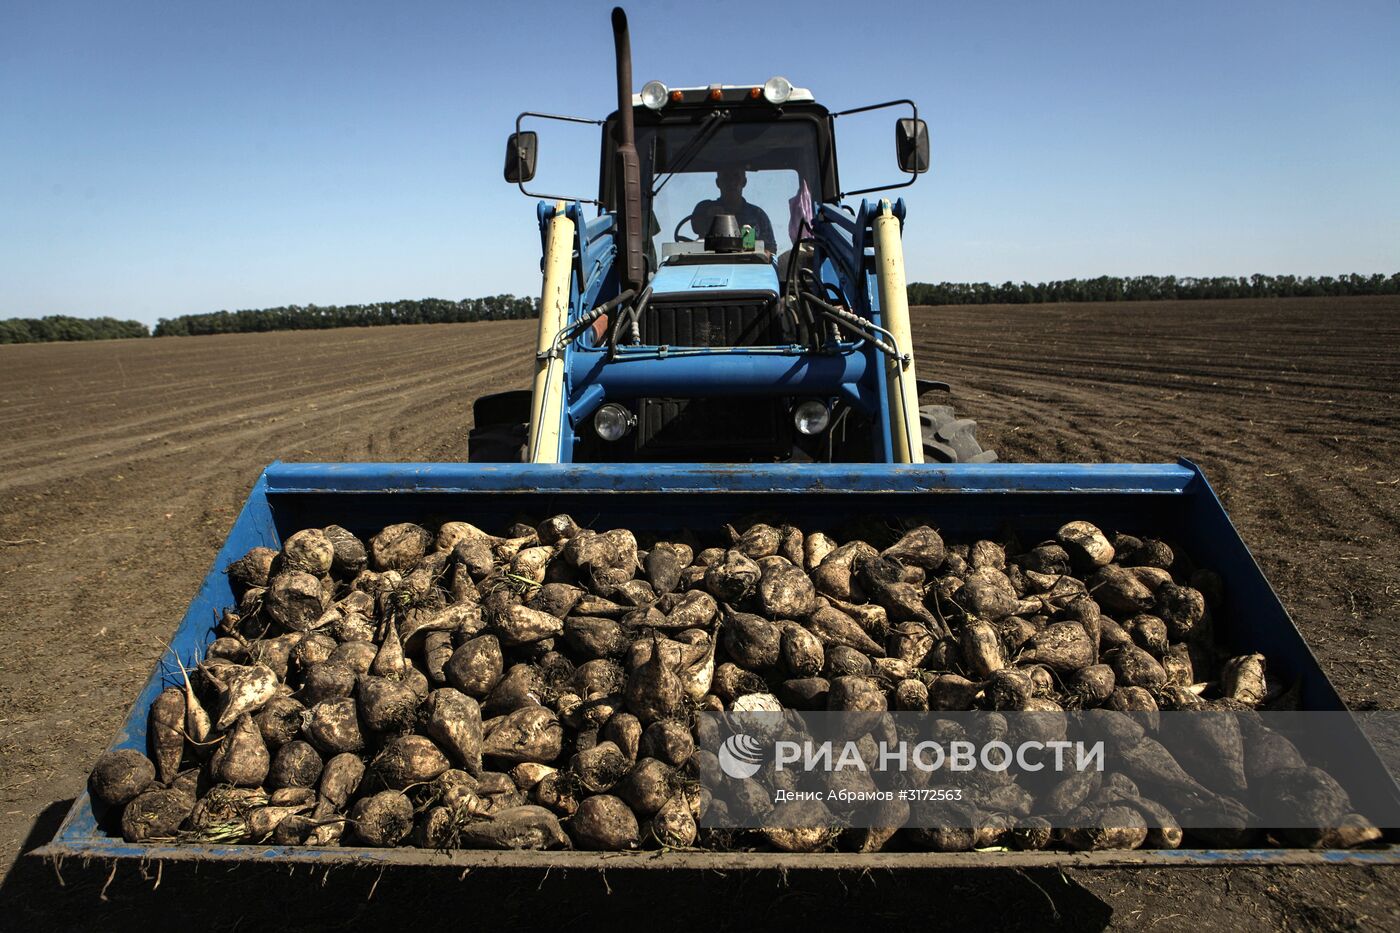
x,y
714,301
699,279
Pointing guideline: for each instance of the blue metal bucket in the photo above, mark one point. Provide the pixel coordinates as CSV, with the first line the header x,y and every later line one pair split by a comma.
x,y
1172,501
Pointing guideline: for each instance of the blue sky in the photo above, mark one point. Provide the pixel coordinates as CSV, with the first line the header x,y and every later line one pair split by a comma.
x,y
166,158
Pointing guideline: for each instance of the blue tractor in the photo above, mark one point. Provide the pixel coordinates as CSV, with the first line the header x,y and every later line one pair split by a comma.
x,y
723,304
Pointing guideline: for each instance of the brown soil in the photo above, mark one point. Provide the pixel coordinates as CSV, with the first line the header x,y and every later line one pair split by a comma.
x,y
122,465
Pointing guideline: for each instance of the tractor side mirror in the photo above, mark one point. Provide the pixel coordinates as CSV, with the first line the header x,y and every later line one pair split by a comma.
x,y
521,151
911,145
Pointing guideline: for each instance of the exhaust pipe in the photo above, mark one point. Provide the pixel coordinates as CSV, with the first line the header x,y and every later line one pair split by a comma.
x,y
632,271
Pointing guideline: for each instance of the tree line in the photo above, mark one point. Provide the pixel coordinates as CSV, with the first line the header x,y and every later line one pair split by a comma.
x,y
1152,288
63,327
509,307
319,317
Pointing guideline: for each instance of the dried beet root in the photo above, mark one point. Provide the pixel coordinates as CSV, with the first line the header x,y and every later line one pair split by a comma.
x,y
334,726
673,825
357,655
1009,688
1133,667
1181,607
386,705
155,814
609,558
242,758
835,628
911,695
280,721
733,577
408,760
296,764
165,732
308,551
835,575
476,667
801,826
654,691
383,820
625,731
1064,647
399,547
605,823
1211,746
1085,544
663,566
752,641
349,556
987,594
521,625
842,661
919,547
253,569
785,593
981,648
531,733
1116,827
815,548
1093,685
1304,796
953,692
1031,834
1120,592
669,742
518,827
801,652
340,779
453,720
120,775
294,600
1242,679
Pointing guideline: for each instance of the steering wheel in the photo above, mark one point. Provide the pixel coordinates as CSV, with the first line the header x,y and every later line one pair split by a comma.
x,y
679,237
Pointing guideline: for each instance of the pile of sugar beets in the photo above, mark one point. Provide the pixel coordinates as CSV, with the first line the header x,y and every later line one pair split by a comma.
x,y
539,689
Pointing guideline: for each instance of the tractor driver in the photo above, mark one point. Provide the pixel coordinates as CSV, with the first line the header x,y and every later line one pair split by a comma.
x,y
730,182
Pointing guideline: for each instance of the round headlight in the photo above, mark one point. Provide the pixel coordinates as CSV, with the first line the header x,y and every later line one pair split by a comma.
x,y
777,90
654,94
811,418
613,422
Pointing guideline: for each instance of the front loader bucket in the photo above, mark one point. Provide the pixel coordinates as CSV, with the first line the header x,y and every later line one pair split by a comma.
x,y
1170,500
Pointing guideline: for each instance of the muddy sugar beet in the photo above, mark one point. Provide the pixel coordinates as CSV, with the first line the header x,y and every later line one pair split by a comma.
x,y
538,685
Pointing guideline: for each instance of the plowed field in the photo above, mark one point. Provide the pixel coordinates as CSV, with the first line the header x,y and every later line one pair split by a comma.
x,y
123,463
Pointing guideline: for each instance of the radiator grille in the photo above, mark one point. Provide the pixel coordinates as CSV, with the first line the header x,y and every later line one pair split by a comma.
x,y
721,322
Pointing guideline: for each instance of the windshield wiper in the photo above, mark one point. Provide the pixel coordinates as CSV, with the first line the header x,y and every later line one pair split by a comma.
x,y
692,148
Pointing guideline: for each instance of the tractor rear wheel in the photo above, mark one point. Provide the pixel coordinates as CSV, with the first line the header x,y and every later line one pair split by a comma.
x,y
950,439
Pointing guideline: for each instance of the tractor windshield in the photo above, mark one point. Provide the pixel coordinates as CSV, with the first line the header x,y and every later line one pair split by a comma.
x,y
764,173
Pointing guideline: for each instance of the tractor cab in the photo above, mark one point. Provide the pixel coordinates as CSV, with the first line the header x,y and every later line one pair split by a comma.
x,y
723,304
729,185
725,172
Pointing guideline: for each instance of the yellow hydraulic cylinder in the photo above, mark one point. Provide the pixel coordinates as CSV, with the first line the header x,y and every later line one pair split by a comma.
x,y
547,402
902,388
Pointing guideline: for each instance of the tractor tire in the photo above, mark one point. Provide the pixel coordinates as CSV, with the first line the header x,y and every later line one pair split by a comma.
x,y
949,439
497,443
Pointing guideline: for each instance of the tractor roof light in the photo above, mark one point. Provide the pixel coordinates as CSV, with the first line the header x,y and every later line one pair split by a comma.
x,y
777,90
613,422
655,95
811,417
